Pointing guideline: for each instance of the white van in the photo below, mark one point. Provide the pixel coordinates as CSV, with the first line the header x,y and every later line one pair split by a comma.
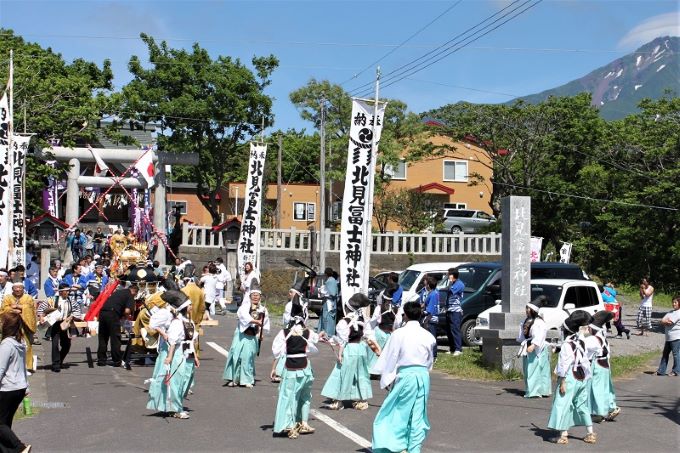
x,y
564,297
411,280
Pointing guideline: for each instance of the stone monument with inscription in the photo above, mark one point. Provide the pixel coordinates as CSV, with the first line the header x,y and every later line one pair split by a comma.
x,y
499,342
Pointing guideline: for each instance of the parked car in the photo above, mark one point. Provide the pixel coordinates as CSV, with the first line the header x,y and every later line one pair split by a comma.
x,y
383,277
483,288
564,297
411,280
465,220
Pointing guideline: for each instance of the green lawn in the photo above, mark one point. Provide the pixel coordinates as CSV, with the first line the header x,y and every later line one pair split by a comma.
x,y
631,293
470,366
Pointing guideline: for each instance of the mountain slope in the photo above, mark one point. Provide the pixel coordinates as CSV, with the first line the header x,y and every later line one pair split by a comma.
x,y
619,86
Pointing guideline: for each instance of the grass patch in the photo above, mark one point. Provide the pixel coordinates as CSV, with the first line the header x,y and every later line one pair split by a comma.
x,y
626,365
632,293
471,366
276,309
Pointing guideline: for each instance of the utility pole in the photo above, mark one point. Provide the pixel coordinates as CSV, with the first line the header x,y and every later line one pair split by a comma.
x,y
322,190
278,185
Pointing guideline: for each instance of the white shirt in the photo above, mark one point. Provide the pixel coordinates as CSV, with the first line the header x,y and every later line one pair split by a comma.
x,y
209,287
279,344
223,276
244,318
567,357
247,281
538,332
410,345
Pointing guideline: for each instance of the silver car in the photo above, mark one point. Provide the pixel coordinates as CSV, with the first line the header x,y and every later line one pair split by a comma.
x,y
466,220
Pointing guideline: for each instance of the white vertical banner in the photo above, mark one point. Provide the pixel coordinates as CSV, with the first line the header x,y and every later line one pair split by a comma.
x,y
249,241
355,233
565,252
5,180
18,205
536,247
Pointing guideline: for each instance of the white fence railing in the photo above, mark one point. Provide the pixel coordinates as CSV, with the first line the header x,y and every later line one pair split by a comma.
x,y
383,243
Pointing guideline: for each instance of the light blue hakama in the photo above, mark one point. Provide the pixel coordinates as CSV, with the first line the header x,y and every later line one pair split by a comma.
x,y
381,338
402,423
572,409
240,367
602,396
164,397
537,374
350,381
295,398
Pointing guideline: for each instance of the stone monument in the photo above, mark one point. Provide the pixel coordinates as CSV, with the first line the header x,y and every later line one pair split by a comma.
x,y
499,342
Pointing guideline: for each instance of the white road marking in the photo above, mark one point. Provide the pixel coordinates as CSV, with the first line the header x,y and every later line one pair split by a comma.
x,y
218,348
354,437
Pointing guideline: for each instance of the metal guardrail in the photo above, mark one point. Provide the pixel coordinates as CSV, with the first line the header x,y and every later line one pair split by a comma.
x,y
383,243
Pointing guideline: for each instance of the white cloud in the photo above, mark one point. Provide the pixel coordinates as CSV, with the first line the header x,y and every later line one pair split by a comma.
x,y
662,25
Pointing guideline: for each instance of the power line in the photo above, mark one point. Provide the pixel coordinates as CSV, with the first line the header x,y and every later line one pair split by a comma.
x,y
446,52
459,35
371,65
464,88
583,197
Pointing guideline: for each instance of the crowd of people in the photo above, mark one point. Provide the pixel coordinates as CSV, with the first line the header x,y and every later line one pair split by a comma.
x,y
395,344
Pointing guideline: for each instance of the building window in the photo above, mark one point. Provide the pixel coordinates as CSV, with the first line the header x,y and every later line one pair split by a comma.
x,y
455,205
304,211
299,211
397,171
455,170
181,204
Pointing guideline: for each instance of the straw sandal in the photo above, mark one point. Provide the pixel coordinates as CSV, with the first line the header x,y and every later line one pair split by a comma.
x,y
181,415
562,440
590,438
335,406
360,405
294,432
304,428
612,415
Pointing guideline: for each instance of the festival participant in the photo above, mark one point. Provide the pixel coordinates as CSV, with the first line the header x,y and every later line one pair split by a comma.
x,y
609,299
402,423
59,324
13,379
176,355
51,285
330,288
194,293
534,351
293,345
76,242
5,283
250,275
571,405
602,397
23,304
296,306
77,282
209,284
98,241
253,320
119,305
29,287
224,284
382,323
349,380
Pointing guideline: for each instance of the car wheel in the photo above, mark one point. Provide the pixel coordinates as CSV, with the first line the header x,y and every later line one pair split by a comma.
x,y
468,332
456,229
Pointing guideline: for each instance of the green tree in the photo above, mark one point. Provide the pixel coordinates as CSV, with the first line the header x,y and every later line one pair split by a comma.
x,y
203,105
53,99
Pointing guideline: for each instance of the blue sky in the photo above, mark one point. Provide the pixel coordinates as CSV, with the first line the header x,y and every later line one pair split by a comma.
x,y
548,45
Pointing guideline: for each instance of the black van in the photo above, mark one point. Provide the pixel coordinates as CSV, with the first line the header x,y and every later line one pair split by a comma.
x,y
483,288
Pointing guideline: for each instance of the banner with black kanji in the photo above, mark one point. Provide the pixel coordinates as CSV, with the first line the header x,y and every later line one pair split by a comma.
x,y
18,206
5,180
355,233
249,241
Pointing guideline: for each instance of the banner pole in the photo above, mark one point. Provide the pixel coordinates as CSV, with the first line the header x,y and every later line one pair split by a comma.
x,y
371,187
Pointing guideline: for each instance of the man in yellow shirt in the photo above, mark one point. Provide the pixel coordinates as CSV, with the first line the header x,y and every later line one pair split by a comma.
x,y
197,298
21,303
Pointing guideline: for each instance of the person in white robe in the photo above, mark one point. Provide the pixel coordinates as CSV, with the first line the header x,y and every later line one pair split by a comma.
x,y
404,365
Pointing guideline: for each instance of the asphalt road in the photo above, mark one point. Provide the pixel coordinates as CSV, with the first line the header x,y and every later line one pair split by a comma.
x,y
104,409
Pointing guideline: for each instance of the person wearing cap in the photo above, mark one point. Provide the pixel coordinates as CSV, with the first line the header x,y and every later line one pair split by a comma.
x,y
535,352
293,345
571,405
61,341
23,304
349,380
119,305
176,362
253,320
602,397
330,288
402,423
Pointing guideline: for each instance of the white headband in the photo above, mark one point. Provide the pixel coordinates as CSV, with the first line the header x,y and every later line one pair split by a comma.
x,y
18,284
533,307
594,327
255,291
4,274
184,305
